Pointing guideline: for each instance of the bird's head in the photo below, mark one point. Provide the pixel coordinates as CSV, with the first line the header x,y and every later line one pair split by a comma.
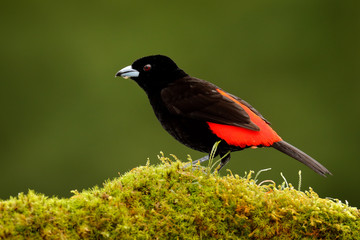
x,y
152,72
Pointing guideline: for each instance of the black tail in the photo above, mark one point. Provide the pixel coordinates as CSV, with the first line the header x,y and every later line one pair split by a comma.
x,y
299,155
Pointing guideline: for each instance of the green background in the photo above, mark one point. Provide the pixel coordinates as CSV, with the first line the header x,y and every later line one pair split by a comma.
x,y
66,122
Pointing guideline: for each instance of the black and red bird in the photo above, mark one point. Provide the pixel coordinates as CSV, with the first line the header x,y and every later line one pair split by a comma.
x,y
198,113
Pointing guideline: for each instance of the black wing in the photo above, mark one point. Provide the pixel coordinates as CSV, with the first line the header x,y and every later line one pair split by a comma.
x,y
198,99
251,108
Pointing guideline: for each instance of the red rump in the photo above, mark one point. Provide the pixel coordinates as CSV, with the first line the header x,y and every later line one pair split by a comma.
x,y
242,137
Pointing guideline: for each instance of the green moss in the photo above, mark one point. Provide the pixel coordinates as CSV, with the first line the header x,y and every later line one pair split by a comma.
x,y
169,202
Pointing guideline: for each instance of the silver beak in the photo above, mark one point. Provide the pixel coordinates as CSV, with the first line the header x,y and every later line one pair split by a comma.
x,y
127,72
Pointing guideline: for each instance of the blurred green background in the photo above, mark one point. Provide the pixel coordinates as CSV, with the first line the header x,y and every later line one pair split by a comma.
x,y
66,122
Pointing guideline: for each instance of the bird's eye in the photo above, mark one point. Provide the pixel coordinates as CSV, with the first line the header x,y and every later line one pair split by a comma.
x,y
147,67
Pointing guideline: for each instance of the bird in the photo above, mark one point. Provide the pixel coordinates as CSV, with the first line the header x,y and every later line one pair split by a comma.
x,y
199,114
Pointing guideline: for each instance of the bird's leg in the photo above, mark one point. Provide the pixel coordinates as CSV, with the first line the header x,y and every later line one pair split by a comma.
x,y
224,161
200,160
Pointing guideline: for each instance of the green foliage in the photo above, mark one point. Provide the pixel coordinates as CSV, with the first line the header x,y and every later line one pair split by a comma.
x,y
169,202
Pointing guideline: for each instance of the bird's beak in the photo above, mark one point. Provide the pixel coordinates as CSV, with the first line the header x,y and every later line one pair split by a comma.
x,y
127,72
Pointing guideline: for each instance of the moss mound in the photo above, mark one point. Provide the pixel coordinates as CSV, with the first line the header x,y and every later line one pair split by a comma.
x,y
169,202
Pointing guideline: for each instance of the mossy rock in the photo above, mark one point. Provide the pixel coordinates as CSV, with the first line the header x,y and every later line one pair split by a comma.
x,y
169,202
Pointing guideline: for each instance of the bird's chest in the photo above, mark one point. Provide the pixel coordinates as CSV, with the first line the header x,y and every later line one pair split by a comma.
x,y
176,125
190,132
